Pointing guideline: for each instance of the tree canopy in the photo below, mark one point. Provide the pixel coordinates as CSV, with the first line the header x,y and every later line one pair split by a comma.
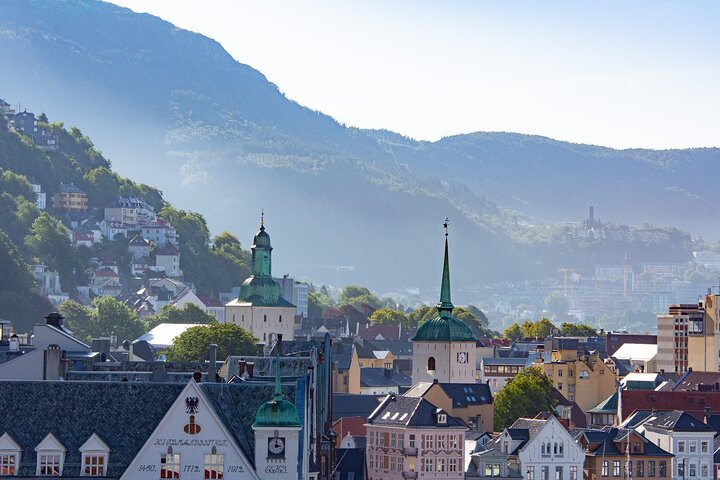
x,y
192,344
356,295
106,316
388,316
523,396
189,313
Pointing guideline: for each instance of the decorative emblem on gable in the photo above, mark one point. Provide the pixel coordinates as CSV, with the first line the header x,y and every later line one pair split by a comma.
x,y
192,405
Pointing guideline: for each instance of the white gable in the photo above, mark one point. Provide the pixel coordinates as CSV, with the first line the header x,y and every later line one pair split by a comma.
x,y
8,443
94,444
50,443
191,429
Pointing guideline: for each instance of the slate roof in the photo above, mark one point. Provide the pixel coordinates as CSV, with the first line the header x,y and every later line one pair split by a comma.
x,y
381,377
399,411
6,355
353,405
123,415
608,437
167,249
677,421
607,406
692,379
466,394
236,404
350,464
70,188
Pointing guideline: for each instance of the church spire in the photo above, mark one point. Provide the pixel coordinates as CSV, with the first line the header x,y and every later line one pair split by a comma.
x,y
278,391
445,306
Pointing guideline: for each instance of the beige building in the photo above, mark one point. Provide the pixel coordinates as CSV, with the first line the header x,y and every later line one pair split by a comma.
x,y
689,337
260,307
444,348
470,402
581,378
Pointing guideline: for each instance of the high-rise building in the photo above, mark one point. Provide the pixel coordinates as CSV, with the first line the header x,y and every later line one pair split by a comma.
x,y
689,337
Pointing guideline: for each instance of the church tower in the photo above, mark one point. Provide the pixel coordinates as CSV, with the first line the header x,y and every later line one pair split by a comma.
x,y
260,307
277,436
444,347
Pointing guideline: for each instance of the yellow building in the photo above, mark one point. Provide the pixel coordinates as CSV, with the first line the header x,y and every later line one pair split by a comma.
x,y
470,402
70,198
582,378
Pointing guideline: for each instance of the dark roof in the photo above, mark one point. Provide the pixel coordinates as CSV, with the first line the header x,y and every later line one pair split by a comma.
x,y
353,405
466,394
381,377
236,405
532,425
677,421
350,464
692,380
167,249
122,414
6,355
607,406
522,361
607,446
397,410
70,188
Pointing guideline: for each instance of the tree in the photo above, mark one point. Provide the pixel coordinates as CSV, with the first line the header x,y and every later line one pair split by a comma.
x,y
556,303
540,329
356,295
318,302
77,318
106,316
513,332
388,316
192,344
577,330
189,313
525,395
49,241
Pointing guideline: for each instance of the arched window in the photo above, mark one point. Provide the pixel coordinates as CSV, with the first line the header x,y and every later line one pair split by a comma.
x,y
555,449
264,318
280,318
542,449
561,449
431,364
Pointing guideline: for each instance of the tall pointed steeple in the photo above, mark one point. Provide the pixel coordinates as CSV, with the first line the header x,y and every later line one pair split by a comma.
x,y
445,306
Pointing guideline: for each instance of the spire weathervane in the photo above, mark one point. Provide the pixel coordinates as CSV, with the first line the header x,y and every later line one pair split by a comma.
x,y
445,225
262,217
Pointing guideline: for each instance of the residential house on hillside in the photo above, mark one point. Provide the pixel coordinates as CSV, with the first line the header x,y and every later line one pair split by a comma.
x,y
159,232
40,196
25,122
534,449
111,229
167,258
6,108
409,436
139,247
48,281
105,281
130,211
70,198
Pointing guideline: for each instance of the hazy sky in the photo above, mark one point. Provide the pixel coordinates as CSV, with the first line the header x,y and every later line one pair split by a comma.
x,y
616,73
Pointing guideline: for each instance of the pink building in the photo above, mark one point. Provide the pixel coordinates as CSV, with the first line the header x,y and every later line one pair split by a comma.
x,y
409,437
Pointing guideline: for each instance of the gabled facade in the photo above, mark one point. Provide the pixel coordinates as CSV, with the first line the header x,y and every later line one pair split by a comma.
x,y
470,402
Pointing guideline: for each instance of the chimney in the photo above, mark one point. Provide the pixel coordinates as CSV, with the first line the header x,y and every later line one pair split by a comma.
x,y
212,369
51,362
279,344
158,371
260,348
250,369
101,345
14,343
197,376
241,368
55,319
388,373
707,415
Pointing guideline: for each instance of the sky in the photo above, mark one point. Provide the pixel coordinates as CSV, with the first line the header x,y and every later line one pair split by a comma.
x,y
615,73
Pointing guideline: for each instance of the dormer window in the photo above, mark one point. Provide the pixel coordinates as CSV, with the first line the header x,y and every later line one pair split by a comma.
x,y
94,453
442,418
9,456
50,457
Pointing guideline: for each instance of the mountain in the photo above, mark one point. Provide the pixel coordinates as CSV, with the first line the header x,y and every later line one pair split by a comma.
x,y
174,109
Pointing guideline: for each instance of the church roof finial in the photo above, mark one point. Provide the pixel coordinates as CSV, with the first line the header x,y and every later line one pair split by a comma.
x,y
445,306
262,218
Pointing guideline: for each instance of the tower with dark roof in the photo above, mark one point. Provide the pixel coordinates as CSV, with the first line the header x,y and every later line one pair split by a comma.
x,y
444,347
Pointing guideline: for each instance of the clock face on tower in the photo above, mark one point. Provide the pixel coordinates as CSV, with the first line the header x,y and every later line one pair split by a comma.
x,y
462,357
276,447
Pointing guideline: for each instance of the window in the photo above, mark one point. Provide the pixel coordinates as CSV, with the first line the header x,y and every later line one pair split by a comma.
x,y
584,374
93,465
49,465
616,468
442,442
545,473
428,465
559,373
681,446
531,473
561,450
371,461
651,468
431,364
571,373
662,468
440,465
280,318
8,465
558,473
704,470
681,469
693,470
411,441
555,448
693,446
442,419
704,446
492,469
430,442
170,465
560,386
573,470
264,318
640,468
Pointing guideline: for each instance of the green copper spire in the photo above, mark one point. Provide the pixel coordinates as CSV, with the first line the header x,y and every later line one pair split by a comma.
x,y
277,412
278,392
445,306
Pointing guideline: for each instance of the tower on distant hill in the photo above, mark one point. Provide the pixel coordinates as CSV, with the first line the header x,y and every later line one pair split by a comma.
x,y
444,347
260,307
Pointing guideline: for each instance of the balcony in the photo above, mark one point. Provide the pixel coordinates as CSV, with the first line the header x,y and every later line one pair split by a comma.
x,y
409,474
410,451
